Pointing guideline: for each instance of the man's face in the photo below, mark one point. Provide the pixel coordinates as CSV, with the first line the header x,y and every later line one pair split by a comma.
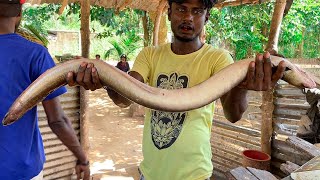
x,y
187,19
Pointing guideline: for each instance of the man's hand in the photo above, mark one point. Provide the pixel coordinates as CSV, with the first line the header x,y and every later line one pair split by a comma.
x,y
86,77
259,76
83,172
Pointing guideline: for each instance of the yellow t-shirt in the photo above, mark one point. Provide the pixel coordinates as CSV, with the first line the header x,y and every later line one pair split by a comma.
x,y
176,146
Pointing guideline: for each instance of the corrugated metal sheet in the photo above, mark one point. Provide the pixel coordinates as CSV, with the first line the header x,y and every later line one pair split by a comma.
x,y
228,140
60,162
290,105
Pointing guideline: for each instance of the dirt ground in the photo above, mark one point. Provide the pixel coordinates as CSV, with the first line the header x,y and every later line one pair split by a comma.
x,y
115,139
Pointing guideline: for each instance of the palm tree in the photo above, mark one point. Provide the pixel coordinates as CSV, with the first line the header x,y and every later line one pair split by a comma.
x,y
124,45
31,33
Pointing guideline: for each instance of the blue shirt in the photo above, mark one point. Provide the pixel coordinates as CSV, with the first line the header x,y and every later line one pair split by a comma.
x,y
21,148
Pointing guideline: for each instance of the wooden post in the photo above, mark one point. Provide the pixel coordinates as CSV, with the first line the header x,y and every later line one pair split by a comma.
x,y
84,96
266,124
277,16
145,29
238,3
85,28
157,22
63,6
267,96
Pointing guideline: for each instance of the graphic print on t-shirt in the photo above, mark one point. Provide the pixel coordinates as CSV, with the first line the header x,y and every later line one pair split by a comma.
x,y
166,126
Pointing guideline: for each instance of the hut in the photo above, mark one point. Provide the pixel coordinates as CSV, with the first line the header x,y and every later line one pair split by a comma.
x,y
271,118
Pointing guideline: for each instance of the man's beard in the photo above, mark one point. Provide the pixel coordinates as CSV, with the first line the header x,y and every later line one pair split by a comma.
x,y
187,39
184,39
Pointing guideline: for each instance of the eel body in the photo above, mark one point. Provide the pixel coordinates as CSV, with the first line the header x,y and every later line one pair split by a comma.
x,y
151,97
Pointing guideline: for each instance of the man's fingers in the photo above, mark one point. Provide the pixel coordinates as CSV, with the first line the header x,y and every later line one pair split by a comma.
x,y
96,79
86,175
70,79
259,74
80,74
279,73
78,172
87,79
267,71
251,75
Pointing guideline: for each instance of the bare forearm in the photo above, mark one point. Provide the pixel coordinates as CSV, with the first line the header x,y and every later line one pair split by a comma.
x,y
234,104
118,99
67,135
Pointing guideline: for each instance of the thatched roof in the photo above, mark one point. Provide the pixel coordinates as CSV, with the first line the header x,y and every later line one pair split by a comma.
x,y
147,5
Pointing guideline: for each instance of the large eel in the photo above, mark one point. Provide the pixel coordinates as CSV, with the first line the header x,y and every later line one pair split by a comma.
x,y
155,98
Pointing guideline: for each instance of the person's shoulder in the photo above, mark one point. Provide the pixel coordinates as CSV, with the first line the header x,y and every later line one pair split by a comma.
x,y
29,44
156,48
209,48
218,54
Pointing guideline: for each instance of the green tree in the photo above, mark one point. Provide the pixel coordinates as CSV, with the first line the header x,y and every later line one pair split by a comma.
x,y
128,45
244,29
300,35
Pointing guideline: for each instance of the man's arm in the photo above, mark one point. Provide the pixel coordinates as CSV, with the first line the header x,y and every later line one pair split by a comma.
x,y
88,78
234,104
61,126
259,78
117,98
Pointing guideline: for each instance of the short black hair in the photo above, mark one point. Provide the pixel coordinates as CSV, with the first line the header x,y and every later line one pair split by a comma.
x,y
207,3
123,56
10,8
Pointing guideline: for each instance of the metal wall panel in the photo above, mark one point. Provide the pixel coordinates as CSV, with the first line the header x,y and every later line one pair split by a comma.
x,y
228,140
290,104
60,162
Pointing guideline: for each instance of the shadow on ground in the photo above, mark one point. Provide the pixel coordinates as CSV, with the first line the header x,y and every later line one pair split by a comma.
x,y
115,139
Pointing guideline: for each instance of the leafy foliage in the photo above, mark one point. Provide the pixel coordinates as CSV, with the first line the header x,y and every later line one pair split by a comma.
x,y
244,29
240,29
37,16
301,30
37,34
124,45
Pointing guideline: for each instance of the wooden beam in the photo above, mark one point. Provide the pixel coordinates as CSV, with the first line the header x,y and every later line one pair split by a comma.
x,y
261,174
277,17
288,167
157,22
241,173
239,2
84,96
302,145
85,28
63,6
288,6
267,106
266,123
145,29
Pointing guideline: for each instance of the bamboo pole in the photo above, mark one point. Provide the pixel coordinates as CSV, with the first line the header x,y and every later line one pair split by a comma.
x,y
276,25
85,28
145,29
84,96
267,106
63,6
157,22
238,3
